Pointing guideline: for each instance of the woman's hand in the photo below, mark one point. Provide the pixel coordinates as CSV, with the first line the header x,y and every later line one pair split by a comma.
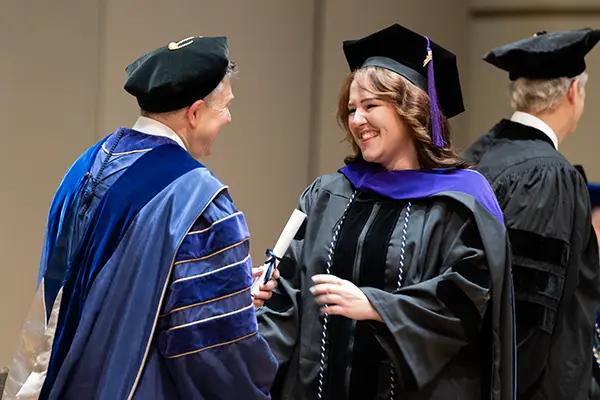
x,y
341,297
266,290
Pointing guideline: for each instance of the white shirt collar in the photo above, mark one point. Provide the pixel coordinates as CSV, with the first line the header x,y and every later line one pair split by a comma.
x,y
534,122
151,126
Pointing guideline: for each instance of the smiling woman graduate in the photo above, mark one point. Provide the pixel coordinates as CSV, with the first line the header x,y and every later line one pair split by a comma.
x,y
399,285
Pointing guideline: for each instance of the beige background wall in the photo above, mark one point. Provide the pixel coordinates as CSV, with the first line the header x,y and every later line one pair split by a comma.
x,y
48,87
535,5
61,78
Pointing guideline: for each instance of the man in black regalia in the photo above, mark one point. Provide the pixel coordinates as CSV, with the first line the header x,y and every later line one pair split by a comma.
x,y
547,211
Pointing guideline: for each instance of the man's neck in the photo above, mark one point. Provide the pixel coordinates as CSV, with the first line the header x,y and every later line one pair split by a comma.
x,y
161,127
538,123
557,122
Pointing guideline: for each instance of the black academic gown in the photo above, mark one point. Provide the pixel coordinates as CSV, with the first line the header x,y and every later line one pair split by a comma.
x,y
443,330
555,258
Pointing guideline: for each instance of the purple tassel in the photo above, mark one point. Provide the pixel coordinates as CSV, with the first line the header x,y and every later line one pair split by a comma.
x,y
436,116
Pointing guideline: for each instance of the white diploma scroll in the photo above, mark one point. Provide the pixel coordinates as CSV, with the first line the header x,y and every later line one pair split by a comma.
x,y
284,241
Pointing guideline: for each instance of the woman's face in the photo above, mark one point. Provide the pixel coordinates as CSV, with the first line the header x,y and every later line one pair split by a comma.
x,y
382,136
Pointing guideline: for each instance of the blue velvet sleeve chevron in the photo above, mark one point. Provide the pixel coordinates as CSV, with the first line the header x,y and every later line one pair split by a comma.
x,y
208,328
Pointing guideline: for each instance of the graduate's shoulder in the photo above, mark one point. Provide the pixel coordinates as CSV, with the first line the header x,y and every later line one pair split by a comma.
x,y
197,174
330,184
488,142
477,187
472,192
221,204
478,147
545,187
197,184
512,157
551,170
323,188
505,147
473,177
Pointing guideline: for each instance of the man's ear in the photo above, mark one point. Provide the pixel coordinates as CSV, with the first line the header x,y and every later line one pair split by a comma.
x,y
194,111
573,91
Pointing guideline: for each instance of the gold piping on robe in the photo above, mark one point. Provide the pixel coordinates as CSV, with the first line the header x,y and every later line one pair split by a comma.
x,y
206,302
212,318
213,346
215,223
213,254
125,152
214,271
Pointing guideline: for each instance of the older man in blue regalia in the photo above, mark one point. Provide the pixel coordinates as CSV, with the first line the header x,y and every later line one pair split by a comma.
x,y
144,284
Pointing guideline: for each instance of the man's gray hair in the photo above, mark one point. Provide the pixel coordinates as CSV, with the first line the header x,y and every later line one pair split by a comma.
x,y
541,95
232,69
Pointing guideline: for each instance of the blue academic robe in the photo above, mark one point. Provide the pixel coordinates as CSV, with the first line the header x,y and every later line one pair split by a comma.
x,y
145,279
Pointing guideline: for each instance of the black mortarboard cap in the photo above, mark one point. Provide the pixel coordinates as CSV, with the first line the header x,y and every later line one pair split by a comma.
x,y
174,76
403,51
545,55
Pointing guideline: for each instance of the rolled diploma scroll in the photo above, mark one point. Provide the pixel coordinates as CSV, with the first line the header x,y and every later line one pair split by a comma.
x,y
284,241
